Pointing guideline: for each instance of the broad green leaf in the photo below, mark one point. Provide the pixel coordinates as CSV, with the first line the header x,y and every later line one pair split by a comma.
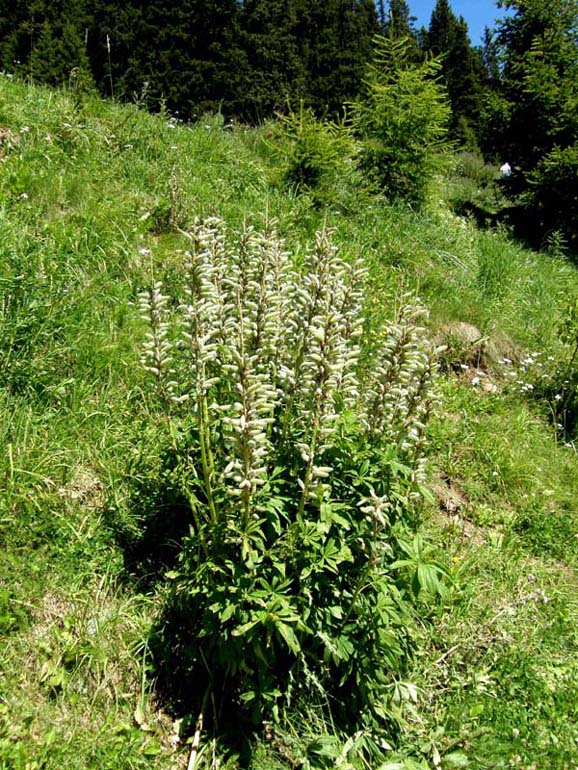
x,y
289,636
245,628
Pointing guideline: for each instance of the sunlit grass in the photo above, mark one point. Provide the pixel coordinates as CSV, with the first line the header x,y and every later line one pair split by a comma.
x,y
88,192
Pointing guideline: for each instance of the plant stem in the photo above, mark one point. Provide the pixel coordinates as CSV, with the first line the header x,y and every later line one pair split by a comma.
x,y
567,375
207,460
309,471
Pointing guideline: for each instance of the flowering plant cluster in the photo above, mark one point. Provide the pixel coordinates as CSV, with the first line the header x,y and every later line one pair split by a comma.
x,y
301,462
551,379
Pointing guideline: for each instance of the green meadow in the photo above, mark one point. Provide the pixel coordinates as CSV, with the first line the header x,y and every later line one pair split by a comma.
x,y
95,203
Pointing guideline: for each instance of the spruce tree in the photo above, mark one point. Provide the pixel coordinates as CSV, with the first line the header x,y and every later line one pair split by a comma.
x,y
46,40
115,42
185,55
402,121
400,21
335,41
276,71
447,37
401,25
539,85
539,46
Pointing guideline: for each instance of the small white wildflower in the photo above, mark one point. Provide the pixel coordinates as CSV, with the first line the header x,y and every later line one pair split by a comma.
x,y
475,381
144,251
25,129
23,196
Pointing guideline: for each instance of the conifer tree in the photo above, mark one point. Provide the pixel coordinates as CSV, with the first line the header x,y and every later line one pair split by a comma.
x,y
45,40
401,25
248,58
539,46
400,21
539,86
15,41
447,37
185,55
402,121
336,44
114,47
277,73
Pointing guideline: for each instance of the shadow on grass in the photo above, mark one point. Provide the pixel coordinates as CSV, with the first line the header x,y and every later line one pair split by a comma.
x,y
154,519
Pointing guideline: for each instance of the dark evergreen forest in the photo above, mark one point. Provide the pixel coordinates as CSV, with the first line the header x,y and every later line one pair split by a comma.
x,y
513,98
247,59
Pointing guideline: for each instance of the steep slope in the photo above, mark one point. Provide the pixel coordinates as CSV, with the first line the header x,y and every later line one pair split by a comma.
x,y
92,197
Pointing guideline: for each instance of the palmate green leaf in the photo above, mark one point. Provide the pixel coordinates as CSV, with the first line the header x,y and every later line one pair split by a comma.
x,y
278,586
334,554
345,647
329,514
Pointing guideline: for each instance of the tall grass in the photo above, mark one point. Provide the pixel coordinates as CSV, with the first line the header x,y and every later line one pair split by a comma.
x,y
83,189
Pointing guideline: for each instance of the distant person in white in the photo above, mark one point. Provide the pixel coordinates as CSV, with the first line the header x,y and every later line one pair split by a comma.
x,y
506,169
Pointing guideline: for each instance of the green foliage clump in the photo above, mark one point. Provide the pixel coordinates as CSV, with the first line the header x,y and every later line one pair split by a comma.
x,y
402,121
300,471
169,214
314,154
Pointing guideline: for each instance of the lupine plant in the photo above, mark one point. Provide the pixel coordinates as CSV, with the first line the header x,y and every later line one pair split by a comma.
x,y
301,462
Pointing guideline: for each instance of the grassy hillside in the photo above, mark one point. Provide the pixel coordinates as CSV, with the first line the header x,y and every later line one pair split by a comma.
x,y
92,196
